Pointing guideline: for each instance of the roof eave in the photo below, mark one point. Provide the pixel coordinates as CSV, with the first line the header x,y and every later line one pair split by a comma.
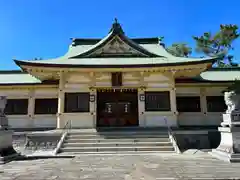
x,y
55,65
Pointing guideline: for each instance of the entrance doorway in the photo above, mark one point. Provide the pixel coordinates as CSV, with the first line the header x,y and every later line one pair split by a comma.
x,y
117,108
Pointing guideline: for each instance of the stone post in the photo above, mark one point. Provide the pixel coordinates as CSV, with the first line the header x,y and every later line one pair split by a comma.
x,y
61,99
229,148
173,104
7,152
3,118
141,108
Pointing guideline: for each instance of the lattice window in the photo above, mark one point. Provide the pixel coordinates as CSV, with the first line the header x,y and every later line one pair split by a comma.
x,y
46,106
216,104
77,102
157,101
188,104
16,107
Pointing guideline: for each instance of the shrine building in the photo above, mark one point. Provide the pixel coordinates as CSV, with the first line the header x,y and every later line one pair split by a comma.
x,y
116,81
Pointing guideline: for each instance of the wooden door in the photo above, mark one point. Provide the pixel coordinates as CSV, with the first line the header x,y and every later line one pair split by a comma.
x,y
117,109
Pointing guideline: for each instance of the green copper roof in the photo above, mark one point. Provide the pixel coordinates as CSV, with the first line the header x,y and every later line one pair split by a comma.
x,y
16,77
139,52
166,59
221,74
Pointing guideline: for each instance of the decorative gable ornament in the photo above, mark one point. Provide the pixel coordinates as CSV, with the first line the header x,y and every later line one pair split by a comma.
x,y
116,47
116,44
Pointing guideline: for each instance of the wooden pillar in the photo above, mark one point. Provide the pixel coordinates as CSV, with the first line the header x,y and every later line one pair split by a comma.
x,y
61,99
31,108
141,103
203,101
141,108
173,101
93,94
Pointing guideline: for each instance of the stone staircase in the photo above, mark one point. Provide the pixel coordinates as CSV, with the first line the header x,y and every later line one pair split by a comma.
x,y
117,141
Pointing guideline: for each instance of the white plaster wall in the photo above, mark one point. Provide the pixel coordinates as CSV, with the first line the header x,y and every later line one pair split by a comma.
x,y
78,78
214,118
76,87
24,93
214,91
80,120
130,82
156,77
20,121
103,80
38,121
187,91
158,82
199,119
158,119
45,121
209,91
191,119
103,77
104,84
159,85
130,76
42,93
15,93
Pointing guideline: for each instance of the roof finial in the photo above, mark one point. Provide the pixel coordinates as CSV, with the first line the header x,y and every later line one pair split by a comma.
x,y
116,27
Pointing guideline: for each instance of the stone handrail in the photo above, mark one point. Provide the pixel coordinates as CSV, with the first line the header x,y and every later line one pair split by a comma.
x,y
172,136
64,133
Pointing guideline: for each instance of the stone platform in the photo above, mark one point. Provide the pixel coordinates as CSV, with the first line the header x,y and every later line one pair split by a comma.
x,y
135,167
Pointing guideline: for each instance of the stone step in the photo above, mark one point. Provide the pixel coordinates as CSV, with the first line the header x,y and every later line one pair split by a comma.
x,y
235,156
107,153
116,149
101,140
116,144
115,136
116,129
119,133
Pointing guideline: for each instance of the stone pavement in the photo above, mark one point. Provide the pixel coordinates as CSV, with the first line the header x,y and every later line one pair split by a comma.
x,y
114,167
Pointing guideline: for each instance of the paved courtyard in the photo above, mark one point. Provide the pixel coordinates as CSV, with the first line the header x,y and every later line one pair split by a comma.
x,y
129,167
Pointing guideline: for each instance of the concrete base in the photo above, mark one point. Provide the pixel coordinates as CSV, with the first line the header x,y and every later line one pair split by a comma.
x,y
229,148
231,119
224,156
7,152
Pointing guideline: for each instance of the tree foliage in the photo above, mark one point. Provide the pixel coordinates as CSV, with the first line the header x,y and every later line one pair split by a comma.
x,y
179,49
218,44
235,86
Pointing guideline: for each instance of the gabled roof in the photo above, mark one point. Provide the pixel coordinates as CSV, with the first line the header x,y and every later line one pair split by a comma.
x,y
116,44
113,51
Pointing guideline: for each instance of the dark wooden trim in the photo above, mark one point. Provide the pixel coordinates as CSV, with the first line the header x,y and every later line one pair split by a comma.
x,y
93,41
196,80
34,64
12,72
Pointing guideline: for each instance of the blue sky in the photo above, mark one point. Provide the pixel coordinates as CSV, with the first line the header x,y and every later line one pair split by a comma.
x,y
43,28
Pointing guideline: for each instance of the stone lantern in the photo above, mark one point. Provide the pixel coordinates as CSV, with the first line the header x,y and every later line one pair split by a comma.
x,y
7,152
229,148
